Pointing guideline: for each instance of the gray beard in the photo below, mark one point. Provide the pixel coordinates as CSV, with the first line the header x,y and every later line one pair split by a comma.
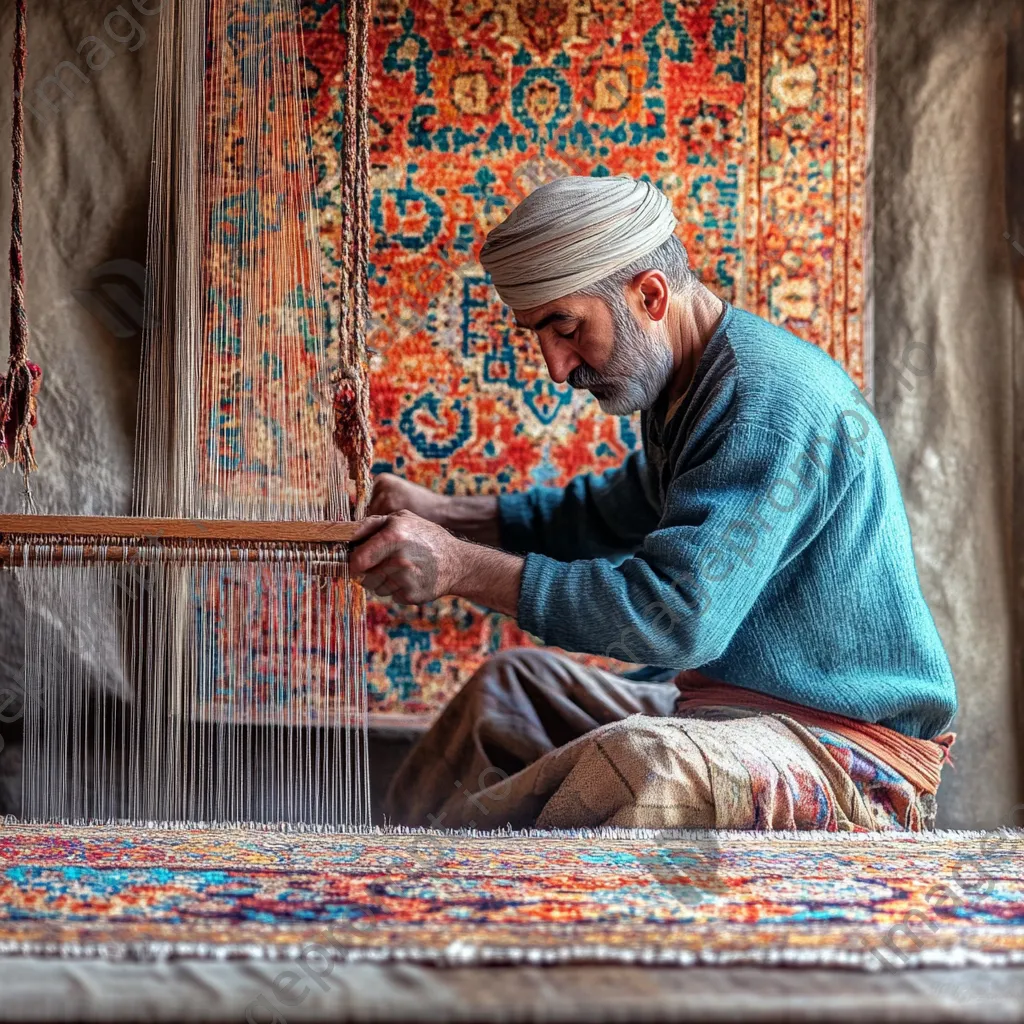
x,y
638,371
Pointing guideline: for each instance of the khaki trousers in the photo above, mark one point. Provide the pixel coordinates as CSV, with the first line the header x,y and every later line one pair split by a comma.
x,y
537,739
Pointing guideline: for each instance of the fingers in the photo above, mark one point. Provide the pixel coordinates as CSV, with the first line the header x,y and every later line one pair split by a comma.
x,y
390,494
394,493
372,552
369,526
382,579
381,537
400,558
380,499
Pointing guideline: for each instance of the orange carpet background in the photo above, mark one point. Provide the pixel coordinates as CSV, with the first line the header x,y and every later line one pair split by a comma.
x,y
752,116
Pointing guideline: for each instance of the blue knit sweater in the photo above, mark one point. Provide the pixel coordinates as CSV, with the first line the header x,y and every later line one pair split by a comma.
x,y
759,536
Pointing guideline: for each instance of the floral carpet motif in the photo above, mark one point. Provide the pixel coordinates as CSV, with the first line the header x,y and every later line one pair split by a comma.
x,y
871,900
750,114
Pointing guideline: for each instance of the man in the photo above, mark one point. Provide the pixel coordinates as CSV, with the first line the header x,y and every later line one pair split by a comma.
x,y
759,536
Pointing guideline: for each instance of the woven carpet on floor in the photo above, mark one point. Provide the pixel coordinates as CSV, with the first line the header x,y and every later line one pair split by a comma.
x,y
865,900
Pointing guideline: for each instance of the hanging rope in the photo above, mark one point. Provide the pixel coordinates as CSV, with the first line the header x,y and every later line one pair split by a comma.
x,y
19,388
351,384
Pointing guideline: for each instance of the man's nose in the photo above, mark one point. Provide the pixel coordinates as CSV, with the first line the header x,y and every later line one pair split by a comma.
x,y
561,359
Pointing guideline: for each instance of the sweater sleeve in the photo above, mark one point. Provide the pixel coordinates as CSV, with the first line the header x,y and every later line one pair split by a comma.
x,y
730,522
595,516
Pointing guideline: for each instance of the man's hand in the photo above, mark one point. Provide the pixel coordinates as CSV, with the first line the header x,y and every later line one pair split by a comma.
x,y
405,557
393,494
475,517
408,558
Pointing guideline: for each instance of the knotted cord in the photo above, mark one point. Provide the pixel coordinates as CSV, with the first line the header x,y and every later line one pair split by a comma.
x,y
352,391
20,385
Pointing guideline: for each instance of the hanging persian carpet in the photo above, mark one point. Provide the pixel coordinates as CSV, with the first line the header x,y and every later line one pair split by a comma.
x,y
752,115
877,902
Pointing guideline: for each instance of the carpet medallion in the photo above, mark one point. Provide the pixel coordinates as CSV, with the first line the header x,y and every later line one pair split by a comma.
x,y
869,900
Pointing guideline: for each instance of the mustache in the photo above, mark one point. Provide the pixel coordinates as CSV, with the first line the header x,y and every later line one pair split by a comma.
x,y
586,378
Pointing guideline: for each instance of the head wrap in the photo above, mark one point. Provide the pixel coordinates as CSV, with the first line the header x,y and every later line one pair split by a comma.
x,y
571,233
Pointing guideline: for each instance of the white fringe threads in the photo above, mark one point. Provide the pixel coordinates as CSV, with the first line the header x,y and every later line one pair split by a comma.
x,y
721,836
463,954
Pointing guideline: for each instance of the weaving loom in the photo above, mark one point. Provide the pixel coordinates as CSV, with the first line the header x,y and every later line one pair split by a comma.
x,y
228,684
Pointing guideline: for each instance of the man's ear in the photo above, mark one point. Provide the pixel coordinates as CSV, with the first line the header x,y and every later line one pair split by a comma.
x,y
654,293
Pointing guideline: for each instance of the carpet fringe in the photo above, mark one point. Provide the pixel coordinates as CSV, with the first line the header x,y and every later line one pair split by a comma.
x,y
707,835
459,954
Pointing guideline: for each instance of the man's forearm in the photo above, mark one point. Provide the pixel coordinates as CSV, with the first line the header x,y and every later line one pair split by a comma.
x,y
488,576
475,518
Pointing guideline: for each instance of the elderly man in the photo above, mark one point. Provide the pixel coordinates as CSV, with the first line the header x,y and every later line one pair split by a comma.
x,y
758,536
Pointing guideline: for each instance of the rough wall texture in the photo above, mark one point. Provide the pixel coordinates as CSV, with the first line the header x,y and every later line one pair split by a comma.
x,y
87,185
941,282
943,359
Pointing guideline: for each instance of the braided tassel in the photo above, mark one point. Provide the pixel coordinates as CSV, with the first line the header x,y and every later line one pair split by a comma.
x,y
20,386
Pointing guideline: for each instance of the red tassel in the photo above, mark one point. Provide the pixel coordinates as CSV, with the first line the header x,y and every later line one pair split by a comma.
x,y
19,392
346,413
349,436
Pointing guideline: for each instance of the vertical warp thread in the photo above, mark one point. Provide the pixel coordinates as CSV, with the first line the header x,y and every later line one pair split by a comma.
x,y
18,389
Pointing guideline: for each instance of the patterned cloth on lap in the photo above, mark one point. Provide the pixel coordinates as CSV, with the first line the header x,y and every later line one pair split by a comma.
x,y
537,739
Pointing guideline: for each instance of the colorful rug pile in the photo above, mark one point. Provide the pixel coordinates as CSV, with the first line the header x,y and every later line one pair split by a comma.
x,y
870,900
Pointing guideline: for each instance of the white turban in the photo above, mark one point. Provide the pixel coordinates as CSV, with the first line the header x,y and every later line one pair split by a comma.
x,y
571,233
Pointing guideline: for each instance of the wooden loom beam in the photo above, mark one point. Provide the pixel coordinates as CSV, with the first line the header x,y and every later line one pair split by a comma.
x,y
158,529
44,539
